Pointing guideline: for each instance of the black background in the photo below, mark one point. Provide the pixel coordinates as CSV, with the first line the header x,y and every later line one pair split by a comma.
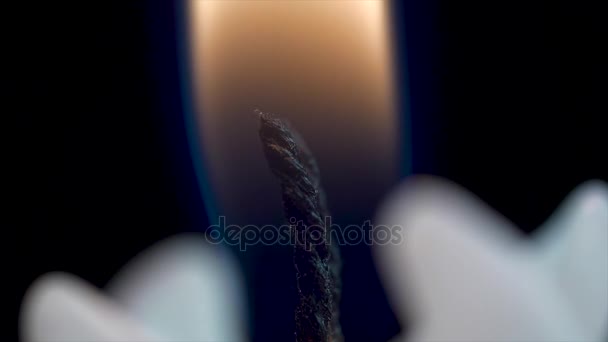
x,y
508,98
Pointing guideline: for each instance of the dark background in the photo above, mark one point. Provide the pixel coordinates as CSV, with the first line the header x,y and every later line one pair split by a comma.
x,y
506,97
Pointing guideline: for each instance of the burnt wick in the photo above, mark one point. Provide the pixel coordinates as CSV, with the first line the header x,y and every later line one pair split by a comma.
x,y
317,265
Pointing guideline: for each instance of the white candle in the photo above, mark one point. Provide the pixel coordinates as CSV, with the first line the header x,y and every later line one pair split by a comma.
x,y
324,65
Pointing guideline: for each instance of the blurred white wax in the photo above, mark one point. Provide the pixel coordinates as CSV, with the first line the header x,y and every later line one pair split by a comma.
x,y
182,289
464,273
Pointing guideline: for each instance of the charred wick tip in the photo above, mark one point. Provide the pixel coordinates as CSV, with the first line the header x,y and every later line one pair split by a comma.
x,y
317,266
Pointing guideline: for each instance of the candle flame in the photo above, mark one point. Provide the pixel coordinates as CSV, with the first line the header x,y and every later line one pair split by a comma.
x,y
321,64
